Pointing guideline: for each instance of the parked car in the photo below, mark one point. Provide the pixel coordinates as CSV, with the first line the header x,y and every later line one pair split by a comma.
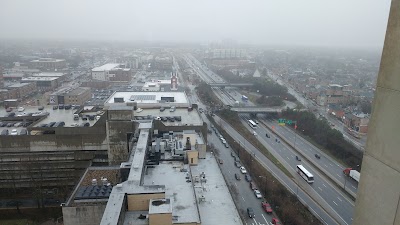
x,y
220,161
253,186
247,177
40,107
250,212
21,109
55,107
275,221
162,109
243,170
4,132
172,109
237,164
138,110
257,193
267,207
14,132
237,176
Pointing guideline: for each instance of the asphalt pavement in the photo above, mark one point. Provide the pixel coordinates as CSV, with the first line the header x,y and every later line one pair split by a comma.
x,y
333,197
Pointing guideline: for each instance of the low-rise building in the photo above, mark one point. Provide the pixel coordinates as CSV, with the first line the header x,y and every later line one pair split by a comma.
x,y
48,64
43,84
71,96
22,90
113,72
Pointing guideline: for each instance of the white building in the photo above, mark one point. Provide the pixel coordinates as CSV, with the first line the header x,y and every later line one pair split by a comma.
x,y
102,72
151,86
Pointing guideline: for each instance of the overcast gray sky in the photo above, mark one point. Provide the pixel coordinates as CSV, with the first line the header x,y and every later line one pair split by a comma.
x,y
359,23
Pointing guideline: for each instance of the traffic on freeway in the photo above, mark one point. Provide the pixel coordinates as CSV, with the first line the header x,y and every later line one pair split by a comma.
x,y
333,197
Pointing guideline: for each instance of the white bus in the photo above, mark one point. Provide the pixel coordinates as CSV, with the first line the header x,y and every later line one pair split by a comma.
x,y
252,124
305,174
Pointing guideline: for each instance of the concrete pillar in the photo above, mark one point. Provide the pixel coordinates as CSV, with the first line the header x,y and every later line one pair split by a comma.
x,y
378,198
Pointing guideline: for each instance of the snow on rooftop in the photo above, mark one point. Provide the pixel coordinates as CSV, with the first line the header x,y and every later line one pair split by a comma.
x,y
180,192
105,67
136,171
148,97
218,207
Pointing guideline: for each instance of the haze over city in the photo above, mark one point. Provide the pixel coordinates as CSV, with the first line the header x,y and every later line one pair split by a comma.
x,y
340,23
172,112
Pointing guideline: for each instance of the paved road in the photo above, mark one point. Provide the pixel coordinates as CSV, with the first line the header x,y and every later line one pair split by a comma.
x,y
343,206
359,143
328,165
245,197
296,185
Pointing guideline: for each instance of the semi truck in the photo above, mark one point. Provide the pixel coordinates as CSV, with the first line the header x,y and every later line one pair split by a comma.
x,y
245,98
352,173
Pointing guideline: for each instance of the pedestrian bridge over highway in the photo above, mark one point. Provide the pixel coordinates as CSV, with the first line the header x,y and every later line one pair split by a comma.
x,y
257,109
230,84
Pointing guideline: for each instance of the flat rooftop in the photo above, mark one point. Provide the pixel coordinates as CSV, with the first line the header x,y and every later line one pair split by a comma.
x,y
218,206
39,78
177,189
48,74
187,117
105,67
148,97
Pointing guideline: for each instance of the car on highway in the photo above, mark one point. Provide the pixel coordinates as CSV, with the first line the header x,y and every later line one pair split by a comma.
x,y
298,158
267,135
255,133
257,193
243,170
250,212
237,176
275,221
317,156
247,177
267,207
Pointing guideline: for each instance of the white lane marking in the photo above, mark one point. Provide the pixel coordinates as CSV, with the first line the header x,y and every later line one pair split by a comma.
x,y
353,186
255,221
243,198
325,165
338,175
245,223
324,184
287,158
331,164
229,171
264,218
235,184
320,188
340,199
335,202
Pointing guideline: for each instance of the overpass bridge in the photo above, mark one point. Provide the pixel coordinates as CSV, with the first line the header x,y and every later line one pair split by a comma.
x,y
230,84
257,109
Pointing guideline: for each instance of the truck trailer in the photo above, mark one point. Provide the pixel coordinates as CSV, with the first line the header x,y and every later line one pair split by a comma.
x,y
352,173
245,98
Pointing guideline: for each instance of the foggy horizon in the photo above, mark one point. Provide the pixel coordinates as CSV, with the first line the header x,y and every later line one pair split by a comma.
x,y
357,24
